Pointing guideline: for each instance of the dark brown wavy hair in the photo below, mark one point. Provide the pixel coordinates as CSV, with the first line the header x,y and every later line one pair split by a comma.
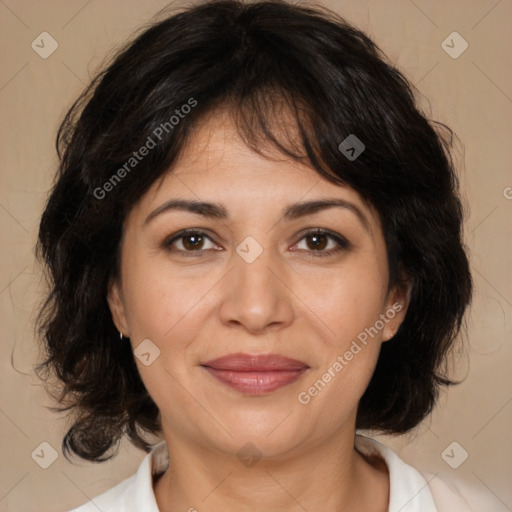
x,y
255,59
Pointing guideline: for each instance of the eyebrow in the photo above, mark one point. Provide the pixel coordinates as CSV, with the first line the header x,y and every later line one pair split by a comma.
x,y
291,212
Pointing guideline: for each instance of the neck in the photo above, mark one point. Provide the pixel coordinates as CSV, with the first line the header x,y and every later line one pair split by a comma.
x,y
331,476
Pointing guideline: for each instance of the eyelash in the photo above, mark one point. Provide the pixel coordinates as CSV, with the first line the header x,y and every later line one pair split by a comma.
x,y
343,243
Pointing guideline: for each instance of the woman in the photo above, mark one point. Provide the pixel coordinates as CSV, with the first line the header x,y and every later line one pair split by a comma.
x,y
254,249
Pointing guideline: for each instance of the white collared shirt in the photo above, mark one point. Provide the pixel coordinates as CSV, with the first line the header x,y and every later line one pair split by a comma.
x,y
410,491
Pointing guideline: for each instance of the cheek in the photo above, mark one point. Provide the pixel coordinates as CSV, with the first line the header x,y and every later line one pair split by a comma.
x,y
350,348
349,303
160,300
171,310
349,299
167,310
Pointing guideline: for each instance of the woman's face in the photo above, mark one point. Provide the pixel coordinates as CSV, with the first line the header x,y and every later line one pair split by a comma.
x,y
254,278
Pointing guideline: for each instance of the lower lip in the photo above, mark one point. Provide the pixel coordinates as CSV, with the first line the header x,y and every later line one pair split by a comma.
x,y
256,383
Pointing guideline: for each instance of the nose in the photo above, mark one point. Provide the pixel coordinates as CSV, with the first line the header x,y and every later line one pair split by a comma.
x,y
256,295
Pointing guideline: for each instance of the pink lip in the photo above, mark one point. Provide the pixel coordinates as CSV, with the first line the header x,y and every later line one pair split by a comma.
x,y
255,374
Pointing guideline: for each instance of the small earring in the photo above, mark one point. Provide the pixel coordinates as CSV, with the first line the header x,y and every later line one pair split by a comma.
x,y
120,335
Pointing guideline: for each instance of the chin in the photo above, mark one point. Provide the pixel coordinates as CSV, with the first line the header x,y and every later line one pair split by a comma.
x,y
272,432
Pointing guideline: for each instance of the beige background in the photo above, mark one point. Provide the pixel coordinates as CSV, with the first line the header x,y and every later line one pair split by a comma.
x,y
471,94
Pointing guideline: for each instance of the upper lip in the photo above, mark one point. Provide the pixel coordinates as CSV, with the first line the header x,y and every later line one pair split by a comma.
x,y
255,363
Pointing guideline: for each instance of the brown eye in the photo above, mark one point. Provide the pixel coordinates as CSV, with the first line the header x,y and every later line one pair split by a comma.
x,y
317,242
321,242
189,242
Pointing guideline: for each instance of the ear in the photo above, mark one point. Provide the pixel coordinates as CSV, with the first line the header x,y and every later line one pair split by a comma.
x,y
117,308
397,303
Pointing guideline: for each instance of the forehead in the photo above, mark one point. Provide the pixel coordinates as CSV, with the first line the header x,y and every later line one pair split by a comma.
x,y
216,164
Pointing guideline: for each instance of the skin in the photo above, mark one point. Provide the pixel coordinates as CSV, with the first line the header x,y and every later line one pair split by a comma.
x,y
202,304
